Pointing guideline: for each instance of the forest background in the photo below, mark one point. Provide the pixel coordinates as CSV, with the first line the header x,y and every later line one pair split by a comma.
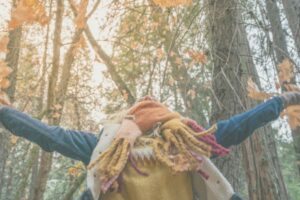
x,y
73,62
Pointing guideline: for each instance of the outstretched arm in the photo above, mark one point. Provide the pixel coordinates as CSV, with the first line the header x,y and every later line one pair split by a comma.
x,y
237,128
77,145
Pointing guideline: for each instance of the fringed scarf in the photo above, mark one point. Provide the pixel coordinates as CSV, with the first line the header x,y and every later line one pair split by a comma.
x,y
181,143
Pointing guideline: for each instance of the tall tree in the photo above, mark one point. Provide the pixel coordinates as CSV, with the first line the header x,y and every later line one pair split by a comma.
x,y
12,60
232,65
292,11
281,51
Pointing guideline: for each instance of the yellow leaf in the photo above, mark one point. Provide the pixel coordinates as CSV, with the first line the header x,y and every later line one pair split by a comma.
x,y
285,69
254,92
172,3
76,169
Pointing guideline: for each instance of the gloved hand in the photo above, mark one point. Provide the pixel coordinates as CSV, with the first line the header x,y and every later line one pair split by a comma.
x,y
290,98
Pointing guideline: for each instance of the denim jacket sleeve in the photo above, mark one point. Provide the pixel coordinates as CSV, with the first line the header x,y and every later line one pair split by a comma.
x,y
77,145
237,128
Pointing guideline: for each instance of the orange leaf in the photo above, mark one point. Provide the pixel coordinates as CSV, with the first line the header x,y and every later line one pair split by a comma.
x,y
192,93
28,11
3,44
293,113
4,83
13,139
254,92
285,69
199,57
172,3
160,53
291,87
4,99
4,70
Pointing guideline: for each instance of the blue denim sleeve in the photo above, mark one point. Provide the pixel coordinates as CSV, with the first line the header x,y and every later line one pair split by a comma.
x,y
236,129
77,145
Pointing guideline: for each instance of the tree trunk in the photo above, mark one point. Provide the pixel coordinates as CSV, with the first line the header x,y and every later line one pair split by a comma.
x,y
78,181
12,59
46,158
292,11
280,47
279,40
232,66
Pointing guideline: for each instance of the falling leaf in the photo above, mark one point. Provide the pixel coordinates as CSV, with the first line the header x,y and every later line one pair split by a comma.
x,y
3,44
4,83
199,57
291,87
76,169
28,11
4,99
254,92
160,53
293,113
192,93
171,81
57,107
172,3
178,61
4,70
13,139
125,95
56,115
285,69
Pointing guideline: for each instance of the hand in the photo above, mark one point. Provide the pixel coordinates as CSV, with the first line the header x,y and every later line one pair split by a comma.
x,y
129,130
4,99
290,98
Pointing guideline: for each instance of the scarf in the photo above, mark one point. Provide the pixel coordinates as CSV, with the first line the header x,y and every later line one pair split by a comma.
x,y
180,143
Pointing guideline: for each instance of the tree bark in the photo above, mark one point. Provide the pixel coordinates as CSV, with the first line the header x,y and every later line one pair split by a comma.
x,y
292,12
46,158
280,47
232,65
78,181
12,59
279,40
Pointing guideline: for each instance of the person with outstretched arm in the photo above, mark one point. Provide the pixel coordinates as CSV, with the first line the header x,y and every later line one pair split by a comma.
x,y
150,152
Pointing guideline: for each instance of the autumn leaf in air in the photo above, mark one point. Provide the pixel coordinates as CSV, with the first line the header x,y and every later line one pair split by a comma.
x,y
293,114
291,87
255,93
28,11
172,3
199,57
13,139
285,69
3,44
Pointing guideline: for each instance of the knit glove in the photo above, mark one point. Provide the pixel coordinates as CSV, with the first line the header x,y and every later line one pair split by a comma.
x,y
290,98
